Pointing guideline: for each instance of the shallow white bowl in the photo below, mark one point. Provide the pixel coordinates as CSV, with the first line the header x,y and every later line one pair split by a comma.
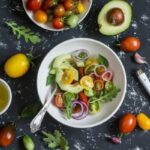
x,y
2,82
95,48
48,26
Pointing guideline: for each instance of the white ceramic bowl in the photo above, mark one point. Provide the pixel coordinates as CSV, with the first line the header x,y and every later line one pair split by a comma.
x,y
9,96
48,26
95,48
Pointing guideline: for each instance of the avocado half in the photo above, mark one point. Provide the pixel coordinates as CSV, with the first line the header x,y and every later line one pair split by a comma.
x,y
108,29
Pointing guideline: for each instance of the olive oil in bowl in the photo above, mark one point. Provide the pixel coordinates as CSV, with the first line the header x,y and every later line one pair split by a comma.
x,y
5,96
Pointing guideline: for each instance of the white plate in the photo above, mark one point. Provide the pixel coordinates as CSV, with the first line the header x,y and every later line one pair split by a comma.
x,y
48,26
95,48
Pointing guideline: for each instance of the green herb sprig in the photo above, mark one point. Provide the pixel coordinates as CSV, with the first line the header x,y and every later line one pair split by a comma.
x,y
22,31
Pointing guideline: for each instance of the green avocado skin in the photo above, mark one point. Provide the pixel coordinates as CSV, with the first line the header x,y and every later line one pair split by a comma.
x,y
110,3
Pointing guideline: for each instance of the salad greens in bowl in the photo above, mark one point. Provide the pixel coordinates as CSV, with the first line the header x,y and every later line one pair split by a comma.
x,y
91,82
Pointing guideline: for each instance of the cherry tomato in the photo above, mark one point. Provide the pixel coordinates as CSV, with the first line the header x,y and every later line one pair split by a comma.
x,y
81,71
57,23
86,82
98,85
7,135
33,4
41,16
130,44
143,121
83,97
68,76
68,4
127,123
59,11
80,7
58,100
48,3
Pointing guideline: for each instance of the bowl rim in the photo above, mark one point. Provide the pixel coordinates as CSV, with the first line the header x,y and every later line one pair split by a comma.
x,y
10,96
122,97
53,29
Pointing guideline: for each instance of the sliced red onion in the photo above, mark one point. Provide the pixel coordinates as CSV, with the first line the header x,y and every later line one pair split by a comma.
x,y
107,75
97,67
79,114
83,113
139,59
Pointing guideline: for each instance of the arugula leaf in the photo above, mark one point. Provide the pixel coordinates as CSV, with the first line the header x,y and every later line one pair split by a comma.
x,y
50,79
68,98
22,31
55,140
102,60
106,96
30,111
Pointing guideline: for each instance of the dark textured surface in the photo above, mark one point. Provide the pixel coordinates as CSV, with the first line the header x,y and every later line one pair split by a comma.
x,y
24,89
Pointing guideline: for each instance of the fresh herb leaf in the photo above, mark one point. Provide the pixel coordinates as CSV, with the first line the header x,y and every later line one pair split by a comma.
x,y
55,140
22,31
68,98
106,96
50,79
30,111
103,61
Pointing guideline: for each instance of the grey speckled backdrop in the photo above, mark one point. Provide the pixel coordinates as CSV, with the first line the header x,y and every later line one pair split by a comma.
x,y
24,89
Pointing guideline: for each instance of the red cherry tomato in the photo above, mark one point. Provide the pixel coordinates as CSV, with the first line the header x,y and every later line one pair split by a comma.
x,y
7,135
83,97
33,4
130,44
57,23
59,11
58,100
127,123
48,3
68,4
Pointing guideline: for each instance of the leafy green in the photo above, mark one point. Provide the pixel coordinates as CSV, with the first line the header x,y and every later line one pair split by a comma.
x,y
106,96
30,110
55,140
22,31
50,79
103,61
68,98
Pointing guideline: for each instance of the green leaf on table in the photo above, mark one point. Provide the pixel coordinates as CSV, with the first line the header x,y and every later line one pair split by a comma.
x,y
30,110
103,61
22,31
55,140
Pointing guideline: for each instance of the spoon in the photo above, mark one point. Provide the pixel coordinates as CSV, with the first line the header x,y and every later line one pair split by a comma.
x,y
37,120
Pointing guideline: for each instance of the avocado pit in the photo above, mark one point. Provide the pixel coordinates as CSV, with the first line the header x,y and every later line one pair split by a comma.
x,y
115,16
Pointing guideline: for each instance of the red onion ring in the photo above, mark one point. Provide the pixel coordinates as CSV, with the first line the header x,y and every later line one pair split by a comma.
x,y
97,67
107,75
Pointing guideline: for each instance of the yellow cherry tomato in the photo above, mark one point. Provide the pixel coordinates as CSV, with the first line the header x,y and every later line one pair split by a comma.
x,y
41,16
68,76
80,7
91,61
17,65
143,121
86,82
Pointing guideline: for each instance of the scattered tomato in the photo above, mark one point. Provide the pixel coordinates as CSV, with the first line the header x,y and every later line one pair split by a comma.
x,y
59,11
58,23
48,3
17,65
33,4
7,135
58,100
83,97
130,44
68,4
86,82
99,85
143,121
127,123
68,76
41,16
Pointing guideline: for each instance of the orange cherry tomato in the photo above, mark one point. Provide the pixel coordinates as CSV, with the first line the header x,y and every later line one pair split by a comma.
x,y
58,23
33,4
99,85
83,97
7,135
59,11
130,44
58,100
41,16
127,123
68,4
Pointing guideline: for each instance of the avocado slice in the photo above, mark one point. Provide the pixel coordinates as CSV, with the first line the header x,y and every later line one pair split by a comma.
x,y
107,28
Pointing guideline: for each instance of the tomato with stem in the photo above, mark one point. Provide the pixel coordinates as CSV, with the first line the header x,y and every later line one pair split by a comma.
x,y
59,11
58,23
68,4
33,4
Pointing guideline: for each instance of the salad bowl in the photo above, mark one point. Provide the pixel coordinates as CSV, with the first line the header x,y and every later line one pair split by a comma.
x,y
94,48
